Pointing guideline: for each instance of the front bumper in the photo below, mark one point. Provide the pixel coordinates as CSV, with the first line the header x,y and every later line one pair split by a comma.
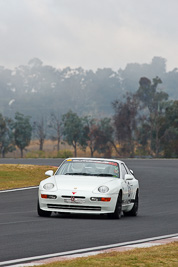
x,y
81,202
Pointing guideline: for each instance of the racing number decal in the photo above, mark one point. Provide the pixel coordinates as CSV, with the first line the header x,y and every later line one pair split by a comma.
x,y
129,190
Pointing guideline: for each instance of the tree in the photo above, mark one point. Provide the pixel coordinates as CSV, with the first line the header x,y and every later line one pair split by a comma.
x,y
149,96
99,135
154,103
55,124
73,130
170,138
40,133
22,131
105,137
90,128
6,136
125,122
35,62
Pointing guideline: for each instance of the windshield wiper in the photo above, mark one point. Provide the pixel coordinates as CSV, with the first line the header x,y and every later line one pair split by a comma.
x,y
77,173
105,174
90,174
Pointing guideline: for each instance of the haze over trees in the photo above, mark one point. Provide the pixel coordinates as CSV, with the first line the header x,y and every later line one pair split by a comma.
x,y
104,110
37,90
143,124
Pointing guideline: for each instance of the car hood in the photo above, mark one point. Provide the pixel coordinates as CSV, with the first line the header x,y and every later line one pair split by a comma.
x,y
71,182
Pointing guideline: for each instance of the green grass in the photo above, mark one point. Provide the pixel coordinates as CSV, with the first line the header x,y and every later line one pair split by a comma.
x,y
158,256
15,176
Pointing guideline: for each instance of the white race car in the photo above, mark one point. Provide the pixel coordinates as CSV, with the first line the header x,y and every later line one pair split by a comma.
x,y
89,186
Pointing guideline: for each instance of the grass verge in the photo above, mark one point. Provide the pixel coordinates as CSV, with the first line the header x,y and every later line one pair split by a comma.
x,y
158,256
19,175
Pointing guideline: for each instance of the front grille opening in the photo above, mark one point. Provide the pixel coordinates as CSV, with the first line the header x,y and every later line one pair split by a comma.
x,y
74,207
73,196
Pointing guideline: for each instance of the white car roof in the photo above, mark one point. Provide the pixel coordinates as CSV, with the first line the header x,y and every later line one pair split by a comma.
x,y
100,159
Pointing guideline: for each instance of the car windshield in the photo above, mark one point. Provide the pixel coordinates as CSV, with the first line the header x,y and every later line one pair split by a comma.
x,y
89,168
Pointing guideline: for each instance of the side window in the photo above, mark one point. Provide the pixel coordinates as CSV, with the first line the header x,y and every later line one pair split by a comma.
x,y
128,171
124,170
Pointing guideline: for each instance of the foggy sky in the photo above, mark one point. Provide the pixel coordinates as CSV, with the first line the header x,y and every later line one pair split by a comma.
x,y
88,33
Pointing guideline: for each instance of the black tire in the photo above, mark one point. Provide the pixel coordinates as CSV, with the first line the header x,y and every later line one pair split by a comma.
x,y
118,209
134,210
43,213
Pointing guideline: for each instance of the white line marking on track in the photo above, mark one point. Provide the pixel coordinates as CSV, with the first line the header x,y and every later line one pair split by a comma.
x,y
85,250
18,189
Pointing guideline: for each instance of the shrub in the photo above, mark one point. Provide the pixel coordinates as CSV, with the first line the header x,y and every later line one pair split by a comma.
x,y
35,154
64,154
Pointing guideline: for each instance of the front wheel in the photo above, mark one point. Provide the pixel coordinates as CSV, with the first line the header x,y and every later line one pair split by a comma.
x,y
43,213
118,209
134,210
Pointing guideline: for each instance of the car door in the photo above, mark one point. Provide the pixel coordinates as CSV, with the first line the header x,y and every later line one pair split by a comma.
x,y
127,185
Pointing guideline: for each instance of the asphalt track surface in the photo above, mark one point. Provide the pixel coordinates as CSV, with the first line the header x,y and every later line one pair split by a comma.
x,y
23,234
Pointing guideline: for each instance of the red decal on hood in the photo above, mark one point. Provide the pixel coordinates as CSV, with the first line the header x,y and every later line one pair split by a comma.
x,y
74,193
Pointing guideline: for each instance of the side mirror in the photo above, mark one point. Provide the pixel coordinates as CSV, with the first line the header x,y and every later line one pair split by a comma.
x,y
128,177
132,172
49,173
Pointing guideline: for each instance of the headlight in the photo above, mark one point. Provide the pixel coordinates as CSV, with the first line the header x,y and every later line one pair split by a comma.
x,y
48,186
103,189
